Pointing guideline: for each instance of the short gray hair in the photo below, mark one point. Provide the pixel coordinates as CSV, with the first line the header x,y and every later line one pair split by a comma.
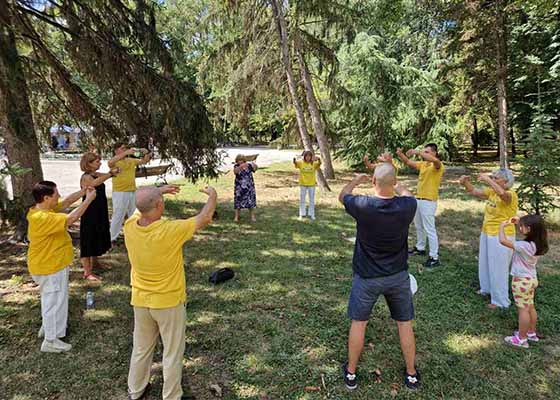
x,y
385,174
147,198
506,174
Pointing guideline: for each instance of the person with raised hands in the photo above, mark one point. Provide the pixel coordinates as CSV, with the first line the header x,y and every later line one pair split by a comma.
x,y
382,158
95,234
308,166
244,187
49,257
429,180
526,253
493,258
157,278
380,265
124,185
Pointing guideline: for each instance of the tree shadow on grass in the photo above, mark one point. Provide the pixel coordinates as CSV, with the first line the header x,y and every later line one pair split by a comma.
x,y
293,305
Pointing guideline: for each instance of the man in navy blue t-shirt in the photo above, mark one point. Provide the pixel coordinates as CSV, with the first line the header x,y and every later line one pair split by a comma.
x,y
380,264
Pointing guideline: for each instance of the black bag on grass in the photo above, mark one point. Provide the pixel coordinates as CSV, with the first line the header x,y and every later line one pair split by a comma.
x,y
221,275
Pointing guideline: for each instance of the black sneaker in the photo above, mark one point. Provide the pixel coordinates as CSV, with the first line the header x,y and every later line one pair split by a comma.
x,y
431,263
349,379
412,382
416,252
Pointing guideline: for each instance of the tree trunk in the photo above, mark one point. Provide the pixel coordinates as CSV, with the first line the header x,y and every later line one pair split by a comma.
x,y
512,139
475,137
16,121
282,30
501,78
315,113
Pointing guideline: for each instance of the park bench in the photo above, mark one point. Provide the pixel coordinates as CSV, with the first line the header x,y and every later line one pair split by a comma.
x,y
156,170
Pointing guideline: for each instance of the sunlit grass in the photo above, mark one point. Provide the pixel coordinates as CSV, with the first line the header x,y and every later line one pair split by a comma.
x,y
464,344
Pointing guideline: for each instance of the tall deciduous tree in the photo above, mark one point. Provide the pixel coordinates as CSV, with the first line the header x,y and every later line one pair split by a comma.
x,y
501,79
281,27
316,117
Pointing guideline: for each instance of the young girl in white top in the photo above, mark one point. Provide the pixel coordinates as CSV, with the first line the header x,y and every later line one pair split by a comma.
x,y
524,274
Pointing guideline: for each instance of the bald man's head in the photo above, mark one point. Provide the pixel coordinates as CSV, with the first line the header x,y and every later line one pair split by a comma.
x,y
385,175
147,198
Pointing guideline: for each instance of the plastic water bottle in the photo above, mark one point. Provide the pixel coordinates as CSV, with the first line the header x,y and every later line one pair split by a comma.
x,y
90,304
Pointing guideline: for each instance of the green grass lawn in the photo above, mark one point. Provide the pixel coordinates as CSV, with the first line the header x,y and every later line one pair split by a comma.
x,y
280,327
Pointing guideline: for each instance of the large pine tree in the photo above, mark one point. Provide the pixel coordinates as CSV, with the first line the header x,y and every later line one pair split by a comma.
x,y
108,68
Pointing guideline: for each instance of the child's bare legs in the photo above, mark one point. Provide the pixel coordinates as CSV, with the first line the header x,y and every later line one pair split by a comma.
x,y
533,318
524,321
252,215
236,217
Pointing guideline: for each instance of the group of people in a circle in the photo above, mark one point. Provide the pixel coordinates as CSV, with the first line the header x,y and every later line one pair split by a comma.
x,y
380,262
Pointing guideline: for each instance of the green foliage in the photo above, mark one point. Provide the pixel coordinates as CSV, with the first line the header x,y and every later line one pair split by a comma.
x,y
540,173
103,64
387,101
534,61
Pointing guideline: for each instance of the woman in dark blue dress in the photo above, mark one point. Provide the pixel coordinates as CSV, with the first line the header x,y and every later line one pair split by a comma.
x,y
244,193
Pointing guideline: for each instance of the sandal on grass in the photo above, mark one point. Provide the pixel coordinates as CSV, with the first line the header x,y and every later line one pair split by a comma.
x,y
92,278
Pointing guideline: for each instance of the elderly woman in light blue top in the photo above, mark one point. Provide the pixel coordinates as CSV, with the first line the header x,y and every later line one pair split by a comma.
x,y
493,258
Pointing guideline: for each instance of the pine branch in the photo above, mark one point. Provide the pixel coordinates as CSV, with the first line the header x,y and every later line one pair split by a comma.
x,y
45,18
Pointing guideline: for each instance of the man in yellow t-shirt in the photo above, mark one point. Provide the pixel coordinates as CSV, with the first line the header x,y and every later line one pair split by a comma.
x,y
49,255
124,185
427,194
157,277
308,167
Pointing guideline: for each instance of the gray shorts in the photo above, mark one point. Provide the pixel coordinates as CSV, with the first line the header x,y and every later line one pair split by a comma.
x,y
395,289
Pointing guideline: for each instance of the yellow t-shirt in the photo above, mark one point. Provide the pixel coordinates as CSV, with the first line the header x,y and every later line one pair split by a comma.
x,y
50,246
125,181
307,172
496,211
429,180
157,275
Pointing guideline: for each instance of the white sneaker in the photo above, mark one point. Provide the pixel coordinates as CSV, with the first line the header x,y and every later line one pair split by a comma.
x,y
301,218
56,346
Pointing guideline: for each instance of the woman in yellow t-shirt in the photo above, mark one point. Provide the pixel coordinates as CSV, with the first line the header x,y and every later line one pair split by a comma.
x,y
493,258
307,182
